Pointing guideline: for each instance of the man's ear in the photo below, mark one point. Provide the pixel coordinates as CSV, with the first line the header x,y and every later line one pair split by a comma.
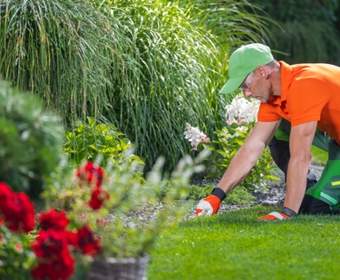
x,y
263,71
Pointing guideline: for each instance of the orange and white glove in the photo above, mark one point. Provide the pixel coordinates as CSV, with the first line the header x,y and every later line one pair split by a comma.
x,y
274,216
285,214
211,204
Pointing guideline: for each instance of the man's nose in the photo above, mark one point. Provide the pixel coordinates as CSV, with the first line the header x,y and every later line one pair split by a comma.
x,y
247,93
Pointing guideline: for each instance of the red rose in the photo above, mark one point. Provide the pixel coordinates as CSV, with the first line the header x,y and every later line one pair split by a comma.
x,y
71,237
58,269
88,244
90,174
5,191
54,258
17,210
98,197
54,219
50,244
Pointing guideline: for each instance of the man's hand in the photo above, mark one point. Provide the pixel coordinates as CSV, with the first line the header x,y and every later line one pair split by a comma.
x,y
208,206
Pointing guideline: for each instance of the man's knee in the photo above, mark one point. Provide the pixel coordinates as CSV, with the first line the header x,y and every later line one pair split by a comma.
x,y
313,206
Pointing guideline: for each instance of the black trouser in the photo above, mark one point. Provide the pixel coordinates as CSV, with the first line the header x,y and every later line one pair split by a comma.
x,y
281,155
311,205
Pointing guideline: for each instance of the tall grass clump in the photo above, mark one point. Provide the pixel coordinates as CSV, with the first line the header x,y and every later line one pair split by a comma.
x,y
60,50
232,23
169,65
177,72
148,67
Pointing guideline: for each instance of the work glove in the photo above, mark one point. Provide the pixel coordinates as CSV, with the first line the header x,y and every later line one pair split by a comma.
x,y
274,216
211,204
285,214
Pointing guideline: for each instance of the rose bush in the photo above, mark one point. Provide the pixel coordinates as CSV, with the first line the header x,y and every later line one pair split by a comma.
x,y
51,242
94,215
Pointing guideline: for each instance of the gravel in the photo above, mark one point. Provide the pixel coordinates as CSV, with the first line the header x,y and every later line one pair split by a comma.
x,y
276,191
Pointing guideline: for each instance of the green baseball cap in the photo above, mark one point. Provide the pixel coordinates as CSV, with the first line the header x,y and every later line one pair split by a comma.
x,y
244,61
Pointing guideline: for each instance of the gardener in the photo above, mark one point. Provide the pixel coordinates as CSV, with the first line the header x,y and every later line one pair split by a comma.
x,y
308,96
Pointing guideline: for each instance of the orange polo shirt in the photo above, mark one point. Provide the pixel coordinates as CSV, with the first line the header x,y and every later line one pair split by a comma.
x,y
309,92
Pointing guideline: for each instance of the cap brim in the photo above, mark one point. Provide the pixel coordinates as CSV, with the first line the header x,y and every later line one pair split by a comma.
x,y
232,85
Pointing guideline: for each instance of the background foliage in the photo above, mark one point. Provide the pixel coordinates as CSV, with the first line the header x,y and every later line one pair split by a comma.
x,y
306,30
30,141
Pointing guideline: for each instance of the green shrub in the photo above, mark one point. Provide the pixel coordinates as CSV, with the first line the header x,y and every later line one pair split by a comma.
x,y
15,255
93,141
229,141
30,141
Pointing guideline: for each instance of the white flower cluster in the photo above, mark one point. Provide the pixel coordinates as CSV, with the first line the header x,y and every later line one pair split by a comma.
x,y
241,110
195,136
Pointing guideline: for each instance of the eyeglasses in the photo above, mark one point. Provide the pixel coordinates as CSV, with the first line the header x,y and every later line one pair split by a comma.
x,y
246,84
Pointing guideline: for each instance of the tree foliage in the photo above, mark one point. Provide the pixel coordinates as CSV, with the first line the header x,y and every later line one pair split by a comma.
x,y
306,30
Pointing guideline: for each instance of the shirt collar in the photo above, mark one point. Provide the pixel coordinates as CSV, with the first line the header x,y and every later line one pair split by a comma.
x,y
286,74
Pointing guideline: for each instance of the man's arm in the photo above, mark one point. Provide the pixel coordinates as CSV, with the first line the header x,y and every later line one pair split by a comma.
x,y
301,138
239,167
245,159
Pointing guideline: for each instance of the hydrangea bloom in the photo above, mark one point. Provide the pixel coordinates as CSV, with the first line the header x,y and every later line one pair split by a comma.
x,y
241,110
242,128
195,136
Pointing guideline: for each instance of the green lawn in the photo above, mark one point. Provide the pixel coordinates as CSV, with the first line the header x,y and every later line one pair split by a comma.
x,y
236,245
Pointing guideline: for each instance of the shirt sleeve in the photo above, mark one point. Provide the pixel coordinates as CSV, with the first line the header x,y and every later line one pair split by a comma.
x,y
267,113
